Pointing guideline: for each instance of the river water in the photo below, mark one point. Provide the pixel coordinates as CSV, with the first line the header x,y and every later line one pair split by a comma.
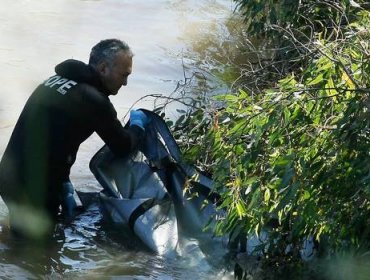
x,y
35,35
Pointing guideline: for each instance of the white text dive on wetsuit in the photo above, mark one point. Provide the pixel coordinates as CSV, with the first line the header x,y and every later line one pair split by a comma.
x,y
62,83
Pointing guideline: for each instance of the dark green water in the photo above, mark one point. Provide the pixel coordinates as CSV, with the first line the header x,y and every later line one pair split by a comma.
x,y
91,249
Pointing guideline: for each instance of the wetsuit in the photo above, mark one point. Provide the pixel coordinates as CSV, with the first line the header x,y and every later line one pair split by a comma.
x,y
59,115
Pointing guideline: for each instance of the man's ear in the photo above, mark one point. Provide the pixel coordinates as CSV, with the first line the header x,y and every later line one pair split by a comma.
x,y
102,68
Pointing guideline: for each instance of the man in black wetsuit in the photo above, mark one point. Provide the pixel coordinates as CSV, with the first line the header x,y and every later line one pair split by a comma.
x,y
59,115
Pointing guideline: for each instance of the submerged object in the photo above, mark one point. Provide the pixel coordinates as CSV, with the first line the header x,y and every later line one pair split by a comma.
x,y
169,205
152,191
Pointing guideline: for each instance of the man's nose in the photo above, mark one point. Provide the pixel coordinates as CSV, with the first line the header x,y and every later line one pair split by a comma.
x,y
124,82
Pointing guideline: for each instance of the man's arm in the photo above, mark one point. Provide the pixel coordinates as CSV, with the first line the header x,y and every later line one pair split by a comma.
x,y
120,140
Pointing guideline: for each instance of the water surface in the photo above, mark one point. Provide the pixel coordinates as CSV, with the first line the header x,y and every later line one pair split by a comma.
x,y
38,34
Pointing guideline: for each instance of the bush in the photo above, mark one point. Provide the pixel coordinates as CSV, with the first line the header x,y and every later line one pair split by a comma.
x,y
293,159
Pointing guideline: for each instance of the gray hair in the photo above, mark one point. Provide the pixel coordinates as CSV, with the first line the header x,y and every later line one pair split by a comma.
x,y
106,50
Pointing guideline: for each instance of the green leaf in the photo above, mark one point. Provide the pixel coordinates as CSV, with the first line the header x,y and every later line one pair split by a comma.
x,y
238,127
240,209
226,97
267,195
317,80
306,195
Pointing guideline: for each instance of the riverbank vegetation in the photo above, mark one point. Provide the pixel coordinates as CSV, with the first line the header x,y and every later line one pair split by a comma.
x,y
288,146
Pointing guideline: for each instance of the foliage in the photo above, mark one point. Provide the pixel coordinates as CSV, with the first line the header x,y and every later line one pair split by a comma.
x,y
293,159
282,34
308,16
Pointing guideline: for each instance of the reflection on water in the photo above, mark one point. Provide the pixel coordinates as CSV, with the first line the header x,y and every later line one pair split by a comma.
x,y
90,249
38,34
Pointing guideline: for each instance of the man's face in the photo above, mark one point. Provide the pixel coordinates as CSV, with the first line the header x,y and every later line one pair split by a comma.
x,y
115,75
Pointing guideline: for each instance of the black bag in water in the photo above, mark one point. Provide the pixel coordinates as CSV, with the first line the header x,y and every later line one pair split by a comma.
x,y
146,190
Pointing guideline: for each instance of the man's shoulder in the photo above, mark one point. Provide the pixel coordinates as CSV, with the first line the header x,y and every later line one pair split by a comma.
x,y
95,98
92,94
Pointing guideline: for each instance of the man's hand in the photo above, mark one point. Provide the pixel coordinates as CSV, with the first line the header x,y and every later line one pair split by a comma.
x,y
138,118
